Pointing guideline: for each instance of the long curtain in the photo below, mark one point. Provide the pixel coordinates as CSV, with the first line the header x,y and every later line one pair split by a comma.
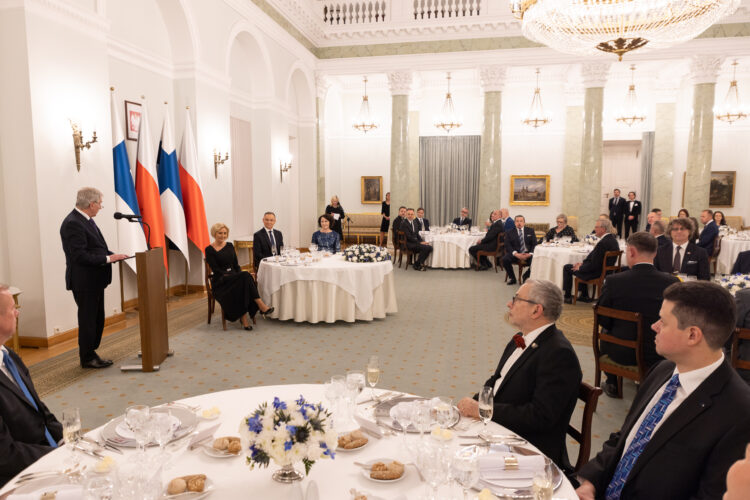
x,y
449,177
647,168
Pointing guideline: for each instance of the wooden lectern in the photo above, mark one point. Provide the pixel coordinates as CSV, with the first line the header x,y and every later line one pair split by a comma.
x,y
152,309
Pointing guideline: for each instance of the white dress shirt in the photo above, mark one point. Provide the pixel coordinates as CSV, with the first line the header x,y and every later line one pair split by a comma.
x,y
689,381
529,339
630,204
4,368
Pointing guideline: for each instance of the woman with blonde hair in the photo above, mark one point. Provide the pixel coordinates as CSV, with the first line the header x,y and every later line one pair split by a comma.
x,y
337,212
232,287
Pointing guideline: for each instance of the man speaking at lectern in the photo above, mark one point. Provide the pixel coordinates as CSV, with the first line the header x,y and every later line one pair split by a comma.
x,y
87,272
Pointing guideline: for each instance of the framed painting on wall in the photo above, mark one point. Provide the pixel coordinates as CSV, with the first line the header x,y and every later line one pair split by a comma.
x,y
529,189
721,193
132,119
372,189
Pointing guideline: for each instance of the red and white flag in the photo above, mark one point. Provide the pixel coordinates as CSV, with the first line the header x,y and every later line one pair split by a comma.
x,y
192,192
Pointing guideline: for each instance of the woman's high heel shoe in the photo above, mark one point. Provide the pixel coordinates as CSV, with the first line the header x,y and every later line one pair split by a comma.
x,y
248,327
267,312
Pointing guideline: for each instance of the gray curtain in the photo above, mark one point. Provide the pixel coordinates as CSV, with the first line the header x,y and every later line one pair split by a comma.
x,y
449,177
647,166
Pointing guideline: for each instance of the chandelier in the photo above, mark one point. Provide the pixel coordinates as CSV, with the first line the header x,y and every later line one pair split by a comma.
x,y
631,113
732,109
364,121
536,116
448,119
583,27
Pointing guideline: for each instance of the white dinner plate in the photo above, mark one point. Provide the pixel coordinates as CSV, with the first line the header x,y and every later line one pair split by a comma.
x,y
351,450
208,488
369,463
214,453
124,431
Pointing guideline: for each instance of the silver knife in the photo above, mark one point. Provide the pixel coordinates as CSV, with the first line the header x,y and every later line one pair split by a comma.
x,y
92,453
106,446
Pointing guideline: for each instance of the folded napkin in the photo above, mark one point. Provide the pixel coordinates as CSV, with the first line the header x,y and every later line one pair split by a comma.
x,y
492,466
369,426
63,492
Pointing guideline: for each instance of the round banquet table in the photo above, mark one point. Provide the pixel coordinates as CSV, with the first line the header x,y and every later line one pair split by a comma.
x,y
328,290
730,248
232,479
549,260
450,250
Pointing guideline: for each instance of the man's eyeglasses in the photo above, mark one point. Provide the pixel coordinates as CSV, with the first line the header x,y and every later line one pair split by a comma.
x,y
516,298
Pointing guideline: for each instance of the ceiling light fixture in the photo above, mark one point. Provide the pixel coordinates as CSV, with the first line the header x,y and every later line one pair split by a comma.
x,y
631,112
732,109
364,122
536,117
448,119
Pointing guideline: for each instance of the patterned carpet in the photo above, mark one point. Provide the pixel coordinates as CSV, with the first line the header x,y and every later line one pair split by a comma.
x,y
446,339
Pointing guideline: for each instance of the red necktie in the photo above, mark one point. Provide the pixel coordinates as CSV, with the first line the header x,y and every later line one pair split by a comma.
x,y
518,339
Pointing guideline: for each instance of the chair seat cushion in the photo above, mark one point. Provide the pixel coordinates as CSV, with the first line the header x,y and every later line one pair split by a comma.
x,y
605,359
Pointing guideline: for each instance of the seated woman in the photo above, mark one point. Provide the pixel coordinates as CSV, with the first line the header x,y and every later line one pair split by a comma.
x,y
326,239
562,229
719,218
233,288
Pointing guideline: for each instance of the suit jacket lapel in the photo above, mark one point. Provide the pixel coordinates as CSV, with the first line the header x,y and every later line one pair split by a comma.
x,y
91,229
528,352
7,382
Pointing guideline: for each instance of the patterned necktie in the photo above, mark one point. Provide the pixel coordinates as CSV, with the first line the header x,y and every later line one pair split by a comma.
x,y
523,244
519,341
11,365
271,239
641,439
677,263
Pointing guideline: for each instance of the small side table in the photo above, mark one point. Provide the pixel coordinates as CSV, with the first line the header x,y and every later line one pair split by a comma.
x,y
15,292
245,242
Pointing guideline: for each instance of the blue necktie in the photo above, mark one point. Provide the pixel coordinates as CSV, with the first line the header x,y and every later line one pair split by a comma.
x,y
273,240
17,377
641,439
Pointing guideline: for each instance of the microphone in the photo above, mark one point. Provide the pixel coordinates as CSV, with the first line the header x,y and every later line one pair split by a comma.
x,y
130,217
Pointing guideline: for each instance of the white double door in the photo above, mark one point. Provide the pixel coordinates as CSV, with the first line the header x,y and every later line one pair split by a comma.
x,y
621,169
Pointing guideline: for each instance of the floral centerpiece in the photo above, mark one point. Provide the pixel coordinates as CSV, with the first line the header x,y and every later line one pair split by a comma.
x,y
591,239
735,282
288,432
366,253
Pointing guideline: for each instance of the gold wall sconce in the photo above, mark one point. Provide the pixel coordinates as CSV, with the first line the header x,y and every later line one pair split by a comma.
x,y
218,160
285,165
78,143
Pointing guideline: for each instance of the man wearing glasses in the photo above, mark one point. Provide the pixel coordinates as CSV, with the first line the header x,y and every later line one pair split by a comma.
x,y
464,220
537,379
682,256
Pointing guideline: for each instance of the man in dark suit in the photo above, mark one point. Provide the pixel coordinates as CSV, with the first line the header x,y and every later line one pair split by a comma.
x,y
266,239
617,211
591,267
710,232
537,379
688,423
742,264
28,429
640,289
632,214
464,220
424,224
508,223
414,241
682,256
653,215
489,242
397,224
742,300
519,246
87,272
657,230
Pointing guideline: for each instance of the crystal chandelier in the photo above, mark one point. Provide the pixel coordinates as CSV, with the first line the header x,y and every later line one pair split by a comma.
x,y
732,109
448,119
583,27
536,116
630,112
364,121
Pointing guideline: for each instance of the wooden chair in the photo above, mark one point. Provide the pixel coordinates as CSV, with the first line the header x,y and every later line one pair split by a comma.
x,y
496,254
739,334
599,281
603,363
211,299
715,255
403,249
590,397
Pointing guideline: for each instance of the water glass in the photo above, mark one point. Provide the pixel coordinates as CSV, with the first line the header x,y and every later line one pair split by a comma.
x,y
465,469
139,480
164,428
421,417
434,461
137,418
443,407
358,377
99,487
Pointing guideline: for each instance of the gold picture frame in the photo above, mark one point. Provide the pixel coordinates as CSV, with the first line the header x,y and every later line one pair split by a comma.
x,y
529,190
372,189
721,192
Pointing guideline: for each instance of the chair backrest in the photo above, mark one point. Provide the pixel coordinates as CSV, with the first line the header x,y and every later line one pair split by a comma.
x,y
573,222
207,277
717,247
636,344
500,242
612,256
590,397
401,240
737,363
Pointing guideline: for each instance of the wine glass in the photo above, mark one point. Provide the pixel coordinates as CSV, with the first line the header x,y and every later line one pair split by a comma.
x,y
401,414
443,406
486,405
273,252
421,416
99,487
164,428
465,469
137,420
358,377
373,374
434,461
71,422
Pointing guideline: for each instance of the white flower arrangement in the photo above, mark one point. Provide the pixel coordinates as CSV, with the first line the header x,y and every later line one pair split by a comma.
x,y
366,253
735,282
591,239
288,432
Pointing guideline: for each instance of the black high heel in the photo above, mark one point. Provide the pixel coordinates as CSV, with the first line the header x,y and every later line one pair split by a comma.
x,y
248,327
268,311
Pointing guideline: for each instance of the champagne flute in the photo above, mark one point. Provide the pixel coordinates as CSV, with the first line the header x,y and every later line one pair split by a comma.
x,y
486,405
71,422
373,374
273,252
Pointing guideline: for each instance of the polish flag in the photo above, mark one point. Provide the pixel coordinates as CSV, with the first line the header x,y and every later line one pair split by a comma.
x,y
192,193
147,188
170,191
130,237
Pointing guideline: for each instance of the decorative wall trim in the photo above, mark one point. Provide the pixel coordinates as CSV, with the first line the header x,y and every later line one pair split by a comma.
x,y
137,56
492,78
705,68
400,82
85,22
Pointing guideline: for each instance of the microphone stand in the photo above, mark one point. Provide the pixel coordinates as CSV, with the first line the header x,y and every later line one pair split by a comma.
x,y
148,235
348,227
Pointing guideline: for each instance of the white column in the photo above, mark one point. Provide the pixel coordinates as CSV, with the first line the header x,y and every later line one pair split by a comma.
x,y
492,79
400,85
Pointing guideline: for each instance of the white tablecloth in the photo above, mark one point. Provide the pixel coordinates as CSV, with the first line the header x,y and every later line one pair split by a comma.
x,y
450,250
329,290
548,261
233,480
730,249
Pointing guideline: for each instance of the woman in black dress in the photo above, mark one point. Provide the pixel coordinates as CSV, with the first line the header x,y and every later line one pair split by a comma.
x,y
562,229
233,288
335,208
385,211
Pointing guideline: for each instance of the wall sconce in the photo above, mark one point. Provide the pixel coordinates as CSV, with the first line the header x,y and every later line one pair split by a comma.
x,y
78,143
285,165
218,160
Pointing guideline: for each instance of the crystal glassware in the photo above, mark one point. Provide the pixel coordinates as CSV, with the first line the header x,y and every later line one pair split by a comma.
x,y
99,487
373,374
164,428
137,419
357,376
542,485
465,469
486,405
421,416
71,423
443,407
434,462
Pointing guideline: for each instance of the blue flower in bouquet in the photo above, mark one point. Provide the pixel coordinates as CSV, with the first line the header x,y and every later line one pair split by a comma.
x,y
279,404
